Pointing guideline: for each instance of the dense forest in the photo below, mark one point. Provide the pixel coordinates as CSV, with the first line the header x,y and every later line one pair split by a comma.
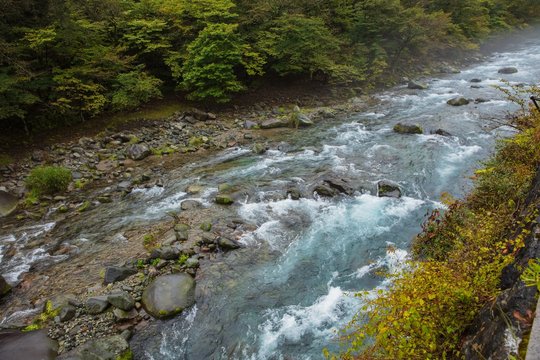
x,y
69,60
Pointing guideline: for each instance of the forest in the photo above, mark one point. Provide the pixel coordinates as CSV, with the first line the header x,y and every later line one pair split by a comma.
x,y
66,61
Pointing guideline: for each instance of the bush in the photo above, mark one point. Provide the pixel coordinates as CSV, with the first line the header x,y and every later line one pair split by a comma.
x,y
48,180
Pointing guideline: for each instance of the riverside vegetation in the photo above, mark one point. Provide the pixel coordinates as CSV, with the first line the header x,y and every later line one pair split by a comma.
x,y
458,258
66,61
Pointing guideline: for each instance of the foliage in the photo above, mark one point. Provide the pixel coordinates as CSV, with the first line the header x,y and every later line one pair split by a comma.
x,y
48,180
182,259
458,260
531,275
135,88
41,320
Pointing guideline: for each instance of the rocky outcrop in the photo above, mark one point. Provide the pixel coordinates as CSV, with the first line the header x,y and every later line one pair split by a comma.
x,y
332,185
458,101
169,295
415,85
408,129
4,286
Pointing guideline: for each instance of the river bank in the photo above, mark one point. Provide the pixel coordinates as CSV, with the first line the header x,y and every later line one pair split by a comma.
x,y
115,223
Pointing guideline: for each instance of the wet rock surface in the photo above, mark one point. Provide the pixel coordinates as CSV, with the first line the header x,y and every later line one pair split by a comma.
x,y
168,295
34,345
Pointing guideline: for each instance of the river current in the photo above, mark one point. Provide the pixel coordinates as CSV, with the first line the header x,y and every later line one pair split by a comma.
x,y
286,293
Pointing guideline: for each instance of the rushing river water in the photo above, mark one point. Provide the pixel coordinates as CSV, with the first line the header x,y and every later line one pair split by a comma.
x,y
284,295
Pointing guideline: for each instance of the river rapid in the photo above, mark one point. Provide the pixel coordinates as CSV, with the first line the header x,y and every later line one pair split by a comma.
x,y
286,293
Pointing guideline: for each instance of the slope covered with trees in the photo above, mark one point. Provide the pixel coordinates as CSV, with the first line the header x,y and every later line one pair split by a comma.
x,y
66,60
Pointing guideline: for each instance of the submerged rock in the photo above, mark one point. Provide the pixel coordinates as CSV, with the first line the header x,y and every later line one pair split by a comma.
x,y
8,203
508,70
441,132
169,295
386,188
408,129
224,199
458,101
34,345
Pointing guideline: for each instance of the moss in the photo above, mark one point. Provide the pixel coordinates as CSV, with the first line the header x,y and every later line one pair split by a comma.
x,y
48,180
85,206
42,319
126,355
206,226
163,150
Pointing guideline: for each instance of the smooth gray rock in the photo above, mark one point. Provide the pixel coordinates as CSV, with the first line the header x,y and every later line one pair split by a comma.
x,y
165,253
137,151
8,203
117,273
508,70
67,313
169,295
415,85
250,124
121,300
190,205
228,244
97,304
34,345
109,348
274,123
408,129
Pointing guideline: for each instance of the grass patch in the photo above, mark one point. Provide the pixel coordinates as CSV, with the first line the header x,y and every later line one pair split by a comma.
x,y
457,262
48,180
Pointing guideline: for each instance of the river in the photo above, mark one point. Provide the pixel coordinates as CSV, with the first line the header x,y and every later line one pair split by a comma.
x,y
286,293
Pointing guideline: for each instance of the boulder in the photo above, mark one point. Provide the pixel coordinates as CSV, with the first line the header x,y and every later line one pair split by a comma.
x,y
138,151
4,286
190,205
169,295
224,199
198,114
120,314
97,304
165,253
194,189
259,148
67,313
300,120
475,80
228,244
441,132
181,232
117,273
121,300
408,129
109,348
387,188
414,85
250,124
274,123
508,70
34,345
458,101
8,203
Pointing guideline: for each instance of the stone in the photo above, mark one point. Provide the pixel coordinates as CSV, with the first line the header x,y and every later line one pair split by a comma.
x,y
224,199
415,85
33,345
181,232
250,125
120,314
408,129
169,295
165,253
97,304
294,194
198,114
475,80
300,120
121,300
109,348
194,189
259,148
223,188
386,188
168,238
206,226
8,203
441,132
458,101
4,286
138,151
274,123
117,273
190,205
67,313
106,165
325,190
192,262
228,244
480,100
508,70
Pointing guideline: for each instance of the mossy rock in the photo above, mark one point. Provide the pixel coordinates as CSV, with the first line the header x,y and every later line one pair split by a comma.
x,y
458,101
206,226
169,295
408,129
223,199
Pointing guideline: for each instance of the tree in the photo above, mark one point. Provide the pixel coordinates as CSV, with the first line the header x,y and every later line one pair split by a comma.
x,y
134,88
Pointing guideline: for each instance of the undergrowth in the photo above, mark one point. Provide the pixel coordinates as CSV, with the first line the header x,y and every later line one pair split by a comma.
x,y
457,259
47,180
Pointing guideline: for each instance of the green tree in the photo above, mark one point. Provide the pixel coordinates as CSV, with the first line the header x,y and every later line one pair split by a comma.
x,y
134,88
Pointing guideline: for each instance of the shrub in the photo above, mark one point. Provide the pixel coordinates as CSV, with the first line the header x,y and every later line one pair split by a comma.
x,y
48,180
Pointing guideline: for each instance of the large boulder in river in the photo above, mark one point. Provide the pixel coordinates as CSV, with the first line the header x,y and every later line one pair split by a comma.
x,y
274,123
508,70
386,188
408,129
169,295
331,186
109,348
8,203
415,85
34,345
458,101
4,286
138,151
